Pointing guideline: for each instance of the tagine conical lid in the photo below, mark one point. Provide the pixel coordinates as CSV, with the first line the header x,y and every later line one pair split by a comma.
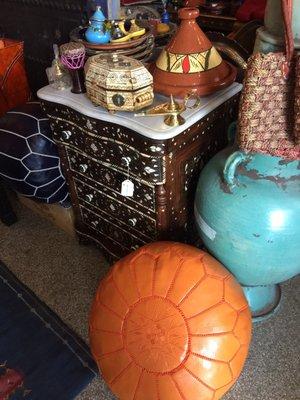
x,y
190,63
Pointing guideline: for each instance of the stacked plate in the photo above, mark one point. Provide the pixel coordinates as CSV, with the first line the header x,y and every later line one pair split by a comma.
x,y
140,48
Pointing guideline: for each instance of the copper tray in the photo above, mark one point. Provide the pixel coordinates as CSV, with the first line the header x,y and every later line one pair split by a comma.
x,y
138,53
78,35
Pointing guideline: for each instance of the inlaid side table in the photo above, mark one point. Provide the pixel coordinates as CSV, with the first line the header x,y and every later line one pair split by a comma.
x,y
99,151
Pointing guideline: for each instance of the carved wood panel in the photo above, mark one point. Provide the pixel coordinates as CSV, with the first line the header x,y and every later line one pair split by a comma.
x,y
102,223
109,176
124,216
109,149
191,151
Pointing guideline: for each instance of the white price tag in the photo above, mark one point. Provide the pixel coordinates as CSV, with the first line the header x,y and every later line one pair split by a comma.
x,y
127,188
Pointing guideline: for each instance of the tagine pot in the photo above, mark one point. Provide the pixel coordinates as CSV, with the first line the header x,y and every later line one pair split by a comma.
x,y
247,211
190,64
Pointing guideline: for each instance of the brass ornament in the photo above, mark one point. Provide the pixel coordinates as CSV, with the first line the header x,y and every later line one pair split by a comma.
x,y
170,110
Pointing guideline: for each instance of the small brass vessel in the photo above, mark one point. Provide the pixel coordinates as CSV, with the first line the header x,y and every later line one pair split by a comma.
x,y
170,110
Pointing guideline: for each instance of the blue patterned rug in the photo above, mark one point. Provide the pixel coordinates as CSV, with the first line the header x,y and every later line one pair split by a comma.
x,y
40,357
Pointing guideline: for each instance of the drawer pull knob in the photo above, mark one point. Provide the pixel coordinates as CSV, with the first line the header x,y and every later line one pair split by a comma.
x,y
89,125
149,170
89,197
125,161
132,221
66,135
83,167
155,148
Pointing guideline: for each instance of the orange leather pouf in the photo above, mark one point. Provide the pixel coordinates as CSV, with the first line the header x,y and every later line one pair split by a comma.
x,y
169,322
14,89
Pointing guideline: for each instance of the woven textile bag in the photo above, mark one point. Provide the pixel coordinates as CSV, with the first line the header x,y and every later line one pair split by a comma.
x,y
297,103
269,114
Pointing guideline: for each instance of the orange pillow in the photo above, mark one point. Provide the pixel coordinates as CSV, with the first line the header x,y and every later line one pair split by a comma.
x,y
170,322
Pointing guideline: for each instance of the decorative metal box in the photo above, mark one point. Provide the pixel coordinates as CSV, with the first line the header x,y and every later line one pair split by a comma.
x,y
117,82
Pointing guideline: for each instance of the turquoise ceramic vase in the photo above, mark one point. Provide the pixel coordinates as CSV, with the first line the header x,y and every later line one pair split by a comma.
x,y
247,211
96,33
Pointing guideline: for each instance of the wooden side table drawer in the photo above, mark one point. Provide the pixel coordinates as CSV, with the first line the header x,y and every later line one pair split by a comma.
x,y
152,173
138,202
125,217
107,228
109,177
67,133
142,166
105,129
149,167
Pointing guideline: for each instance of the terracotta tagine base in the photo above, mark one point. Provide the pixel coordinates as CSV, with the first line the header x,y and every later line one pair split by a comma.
x,y
190,64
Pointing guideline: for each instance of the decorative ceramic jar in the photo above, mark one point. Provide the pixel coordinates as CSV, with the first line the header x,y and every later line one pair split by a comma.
x,y
247,211
96,33
117,82
270,37
73,58
190,64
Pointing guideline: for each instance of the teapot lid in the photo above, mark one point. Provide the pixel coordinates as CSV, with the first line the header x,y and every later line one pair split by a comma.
x,y
98,15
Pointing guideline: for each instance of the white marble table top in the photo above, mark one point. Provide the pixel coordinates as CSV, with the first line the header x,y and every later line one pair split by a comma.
x,y
151,127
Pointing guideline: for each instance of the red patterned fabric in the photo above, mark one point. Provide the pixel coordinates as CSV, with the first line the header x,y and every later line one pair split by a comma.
x,y
251,9
10,381
14,89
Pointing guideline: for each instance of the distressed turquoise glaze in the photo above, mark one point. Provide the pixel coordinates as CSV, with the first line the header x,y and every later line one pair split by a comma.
x,y
96,33
247,210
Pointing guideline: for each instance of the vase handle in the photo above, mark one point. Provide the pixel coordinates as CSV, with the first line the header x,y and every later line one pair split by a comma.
x,y
232,162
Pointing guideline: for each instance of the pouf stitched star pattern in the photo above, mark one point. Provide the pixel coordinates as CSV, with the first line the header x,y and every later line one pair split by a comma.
x,y
29,160
169,322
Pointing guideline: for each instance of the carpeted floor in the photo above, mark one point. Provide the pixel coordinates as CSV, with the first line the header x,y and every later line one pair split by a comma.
x,y
65,276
